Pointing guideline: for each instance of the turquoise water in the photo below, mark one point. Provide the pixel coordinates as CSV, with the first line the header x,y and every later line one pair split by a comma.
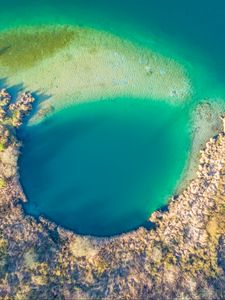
x,y
103,168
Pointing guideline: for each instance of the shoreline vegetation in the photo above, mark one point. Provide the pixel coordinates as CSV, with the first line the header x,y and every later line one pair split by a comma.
x,y
183,257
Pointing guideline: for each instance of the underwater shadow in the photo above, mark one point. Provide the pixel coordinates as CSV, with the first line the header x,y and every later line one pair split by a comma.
x,y
17,89
40,97
3,82
148,225
13,90
4,50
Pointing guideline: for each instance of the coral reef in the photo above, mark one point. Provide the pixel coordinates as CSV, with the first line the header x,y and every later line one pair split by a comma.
x,y
182,258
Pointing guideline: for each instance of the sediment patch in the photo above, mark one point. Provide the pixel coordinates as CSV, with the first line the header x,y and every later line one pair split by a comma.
x,y
23,48
74,65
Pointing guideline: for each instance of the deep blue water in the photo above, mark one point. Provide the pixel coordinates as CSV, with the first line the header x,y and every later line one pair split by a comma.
x,y
102,168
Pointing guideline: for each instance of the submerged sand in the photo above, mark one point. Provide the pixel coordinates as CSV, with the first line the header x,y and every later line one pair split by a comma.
x,y
205,123
67,65
87,65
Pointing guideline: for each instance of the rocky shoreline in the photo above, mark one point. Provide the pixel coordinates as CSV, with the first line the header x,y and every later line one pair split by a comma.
x,y
182,258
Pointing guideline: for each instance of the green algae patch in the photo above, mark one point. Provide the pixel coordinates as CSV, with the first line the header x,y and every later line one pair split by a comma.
x,y
79,64
21,49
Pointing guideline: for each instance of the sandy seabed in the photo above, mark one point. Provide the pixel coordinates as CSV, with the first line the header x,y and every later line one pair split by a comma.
x,y
86,65
95,66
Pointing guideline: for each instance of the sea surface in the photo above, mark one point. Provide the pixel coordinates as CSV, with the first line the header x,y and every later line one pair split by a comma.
x,y
102,168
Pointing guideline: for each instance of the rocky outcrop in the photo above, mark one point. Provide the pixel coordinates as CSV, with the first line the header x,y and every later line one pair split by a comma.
x,y
11,116
182,258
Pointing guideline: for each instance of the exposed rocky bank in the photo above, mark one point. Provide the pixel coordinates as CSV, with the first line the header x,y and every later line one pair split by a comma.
x,y
182,258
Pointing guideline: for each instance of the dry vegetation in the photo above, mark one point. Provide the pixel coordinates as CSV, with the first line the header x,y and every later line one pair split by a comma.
x,y
182,258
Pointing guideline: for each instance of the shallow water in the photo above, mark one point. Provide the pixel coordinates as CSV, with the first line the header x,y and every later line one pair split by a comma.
x,y
102,168
66,158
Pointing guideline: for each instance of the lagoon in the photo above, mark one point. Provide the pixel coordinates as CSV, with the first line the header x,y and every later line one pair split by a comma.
x,y
102,168
128,113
